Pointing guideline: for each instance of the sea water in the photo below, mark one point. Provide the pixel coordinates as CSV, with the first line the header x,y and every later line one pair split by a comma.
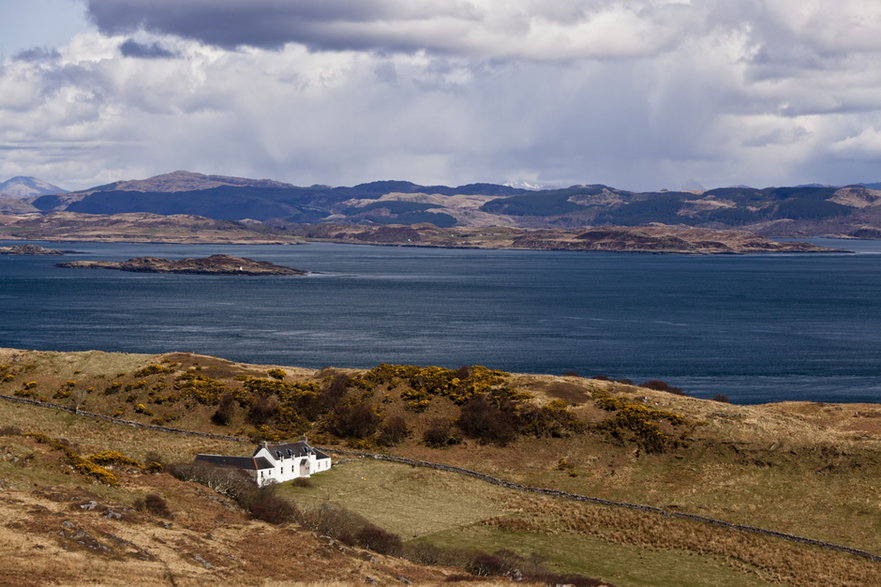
x,y
756,328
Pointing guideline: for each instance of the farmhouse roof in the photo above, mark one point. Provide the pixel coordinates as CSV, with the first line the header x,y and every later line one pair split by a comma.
x,y
238,462
292,449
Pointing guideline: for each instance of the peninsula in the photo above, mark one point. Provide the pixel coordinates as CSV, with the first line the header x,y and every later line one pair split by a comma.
x,y
653,238
29,250
213,265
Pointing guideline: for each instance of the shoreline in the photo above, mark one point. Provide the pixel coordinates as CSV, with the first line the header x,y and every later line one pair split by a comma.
x,y
301,370
463,246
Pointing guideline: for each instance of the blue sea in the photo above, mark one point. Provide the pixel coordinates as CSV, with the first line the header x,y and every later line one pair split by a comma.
x,y
757,328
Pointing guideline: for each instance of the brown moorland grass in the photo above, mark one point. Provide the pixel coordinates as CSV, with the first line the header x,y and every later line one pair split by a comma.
x,y
57,527
805,468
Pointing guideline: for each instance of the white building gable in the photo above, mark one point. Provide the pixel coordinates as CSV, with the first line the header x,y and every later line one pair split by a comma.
x,y
275,463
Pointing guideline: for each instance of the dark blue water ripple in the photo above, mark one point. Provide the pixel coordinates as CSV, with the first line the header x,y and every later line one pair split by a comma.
x,y
757,328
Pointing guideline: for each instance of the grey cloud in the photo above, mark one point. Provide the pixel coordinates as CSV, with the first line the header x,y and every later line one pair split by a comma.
x,y
479,28
131,48
778,137
727,93
233,23
37,54
94,84
786,35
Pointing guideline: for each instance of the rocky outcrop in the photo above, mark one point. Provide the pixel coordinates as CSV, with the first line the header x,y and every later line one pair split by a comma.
x,y
213,265
29,250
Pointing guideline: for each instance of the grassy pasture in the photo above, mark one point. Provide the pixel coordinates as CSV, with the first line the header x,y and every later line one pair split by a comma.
x,y
623,547
807,469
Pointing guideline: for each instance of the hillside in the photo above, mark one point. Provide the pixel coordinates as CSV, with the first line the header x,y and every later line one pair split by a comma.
x,y
850,211
764,465
137,227
655,238
59,527
25,186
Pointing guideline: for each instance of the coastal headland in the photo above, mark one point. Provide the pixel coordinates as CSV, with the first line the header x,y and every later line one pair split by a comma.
x,y
82,431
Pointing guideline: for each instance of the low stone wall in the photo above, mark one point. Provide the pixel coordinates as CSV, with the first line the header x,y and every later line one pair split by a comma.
x,y
33,402
476,475
606,502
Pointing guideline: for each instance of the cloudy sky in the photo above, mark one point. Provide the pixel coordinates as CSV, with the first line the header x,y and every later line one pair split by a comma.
x,y
638,94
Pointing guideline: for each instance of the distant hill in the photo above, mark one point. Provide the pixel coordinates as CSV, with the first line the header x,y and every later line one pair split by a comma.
x,y
808,210
183,181
234,198
24,187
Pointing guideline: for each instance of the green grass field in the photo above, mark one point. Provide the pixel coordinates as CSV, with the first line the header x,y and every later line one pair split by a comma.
x,y
449,510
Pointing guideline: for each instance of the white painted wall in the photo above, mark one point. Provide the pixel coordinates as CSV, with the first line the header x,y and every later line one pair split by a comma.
x,y
288,468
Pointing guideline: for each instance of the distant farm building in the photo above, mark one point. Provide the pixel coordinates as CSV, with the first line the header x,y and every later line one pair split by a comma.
x,y
275,463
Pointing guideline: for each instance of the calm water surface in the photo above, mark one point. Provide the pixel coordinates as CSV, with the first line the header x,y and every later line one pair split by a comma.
x,y
756,328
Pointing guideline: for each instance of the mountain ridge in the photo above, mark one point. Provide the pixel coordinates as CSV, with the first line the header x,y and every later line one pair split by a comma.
x,y
25,186
787,211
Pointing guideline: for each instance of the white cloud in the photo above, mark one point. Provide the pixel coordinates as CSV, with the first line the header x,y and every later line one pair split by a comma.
x,y
866,144
639,94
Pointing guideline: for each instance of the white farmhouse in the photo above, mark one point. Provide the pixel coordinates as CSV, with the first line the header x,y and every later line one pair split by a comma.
x,y
275,463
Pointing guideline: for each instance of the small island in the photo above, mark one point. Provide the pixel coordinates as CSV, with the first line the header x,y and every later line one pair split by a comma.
x,y
29,250
213,265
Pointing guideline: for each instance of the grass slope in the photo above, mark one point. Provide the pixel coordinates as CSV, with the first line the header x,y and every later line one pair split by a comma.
x,y
60,527
803,468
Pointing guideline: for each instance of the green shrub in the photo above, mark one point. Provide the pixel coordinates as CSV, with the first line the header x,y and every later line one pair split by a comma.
x,y
277,373
378,540
79,464
334,521
440,434
112,457
264,410
202,388
641,424
264,504
458,385
152,370
394,431
225,410
483,420
155,504
550,420
142,409
659,385
357,420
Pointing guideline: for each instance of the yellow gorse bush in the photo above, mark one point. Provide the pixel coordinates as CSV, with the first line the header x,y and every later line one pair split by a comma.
x,y
153,370
642,424
112,457
91,466
424,383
